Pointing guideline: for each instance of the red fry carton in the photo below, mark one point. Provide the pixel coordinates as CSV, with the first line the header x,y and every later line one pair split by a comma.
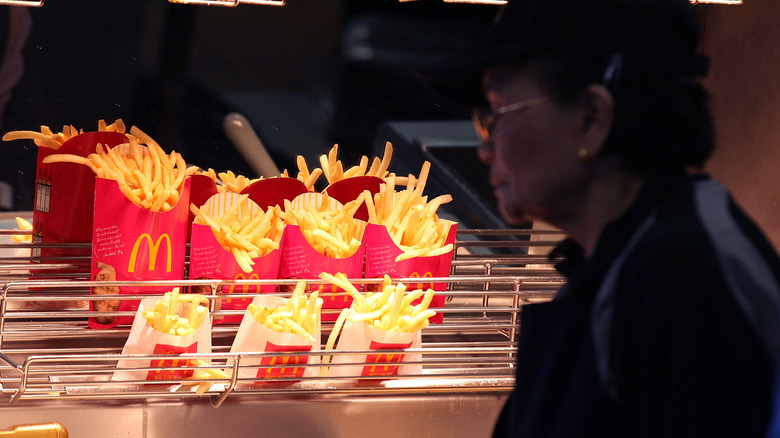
x,y
381,253
363,336
64,195
209,259
131,243
301,260
253,336
274,191
144,339
349,189
202,187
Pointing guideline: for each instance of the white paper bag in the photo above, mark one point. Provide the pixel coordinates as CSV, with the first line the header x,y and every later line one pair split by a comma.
x,y
363,336
255,337
144,339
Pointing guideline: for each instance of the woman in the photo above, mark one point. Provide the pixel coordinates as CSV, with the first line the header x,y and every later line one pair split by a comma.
x,y
592,120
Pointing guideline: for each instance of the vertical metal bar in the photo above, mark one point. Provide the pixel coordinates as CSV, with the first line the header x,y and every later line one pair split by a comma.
x,y
486,297
216,401
3,305
514,318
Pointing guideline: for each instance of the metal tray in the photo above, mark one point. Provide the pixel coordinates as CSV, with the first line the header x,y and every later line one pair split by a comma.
x,y
49,355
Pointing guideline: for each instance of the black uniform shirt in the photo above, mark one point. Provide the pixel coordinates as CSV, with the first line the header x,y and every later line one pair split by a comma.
x,y
693,330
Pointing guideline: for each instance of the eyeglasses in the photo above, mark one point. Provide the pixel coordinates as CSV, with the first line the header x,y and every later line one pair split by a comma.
x,y
485,119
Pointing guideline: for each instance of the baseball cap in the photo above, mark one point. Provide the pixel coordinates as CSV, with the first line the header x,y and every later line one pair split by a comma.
x,y
654,37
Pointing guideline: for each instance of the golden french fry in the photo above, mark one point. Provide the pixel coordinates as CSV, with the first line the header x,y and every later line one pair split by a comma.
x,y
332,232
299,314
390,310
244,235
331,342
167,314
149,177
22,224
47,138
334,170
410,218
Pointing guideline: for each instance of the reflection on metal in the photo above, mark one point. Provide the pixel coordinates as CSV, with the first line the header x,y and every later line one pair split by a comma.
x,y
229,3
31,3
503,2
48,352
478,2
234,3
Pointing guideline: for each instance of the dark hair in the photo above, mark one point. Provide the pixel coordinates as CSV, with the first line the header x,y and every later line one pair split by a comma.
x,y
661,123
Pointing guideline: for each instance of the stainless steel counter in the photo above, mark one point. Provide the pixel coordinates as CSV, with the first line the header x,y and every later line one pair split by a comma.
x,y
55,368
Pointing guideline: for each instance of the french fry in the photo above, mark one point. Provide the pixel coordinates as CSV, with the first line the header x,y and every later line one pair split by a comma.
x,y
331,232
331,342
334,170
235,183
209,173
166,315
299,315
206,370
149,177
391,309
22,224
244,235
410,218
49,139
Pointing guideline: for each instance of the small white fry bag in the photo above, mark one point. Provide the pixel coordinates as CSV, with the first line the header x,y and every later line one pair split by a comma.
x,y
363,336
253,336
144,339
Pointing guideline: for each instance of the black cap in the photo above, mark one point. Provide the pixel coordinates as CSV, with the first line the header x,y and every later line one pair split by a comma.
x,y
654,37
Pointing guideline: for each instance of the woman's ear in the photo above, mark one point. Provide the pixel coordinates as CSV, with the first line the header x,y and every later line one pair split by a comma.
x,y
597,114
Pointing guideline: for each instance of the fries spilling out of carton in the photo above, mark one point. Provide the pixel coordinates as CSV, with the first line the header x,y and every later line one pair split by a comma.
x,y
165,315
243,229
146,174
300,315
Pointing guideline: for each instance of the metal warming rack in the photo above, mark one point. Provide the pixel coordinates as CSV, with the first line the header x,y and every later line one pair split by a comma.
x,y
49,357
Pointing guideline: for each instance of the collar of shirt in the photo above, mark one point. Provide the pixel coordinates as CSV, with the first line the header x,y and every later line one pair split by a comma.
x,y
582,272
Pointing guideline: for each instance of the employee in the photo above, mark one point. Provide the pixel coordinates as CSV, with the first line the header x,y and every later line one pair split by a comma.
x,y
592,119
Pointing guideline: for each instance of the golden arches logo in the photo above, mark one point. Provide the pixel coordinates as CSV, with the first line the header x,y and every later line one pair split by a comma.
x,y
244,287
286,370
283,366
154,248
174,362
421,285
384,364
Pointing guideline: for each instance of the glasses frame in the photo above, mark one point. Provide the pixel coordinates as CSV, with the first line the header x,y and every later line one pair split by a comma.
x,y
484,118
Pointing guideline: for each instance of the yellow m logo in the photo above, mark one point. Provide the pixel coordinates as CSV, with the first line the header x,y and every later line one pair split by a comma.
x,y
154,248
244,287
421,285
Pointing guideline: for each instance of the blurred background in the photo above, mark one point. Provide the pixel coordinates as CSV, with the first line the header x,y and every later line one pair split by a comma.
x,y
307,75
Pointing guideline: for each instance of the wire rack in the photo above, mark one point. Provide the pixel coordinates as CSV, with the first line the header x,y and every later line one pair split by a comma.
x,y
47,350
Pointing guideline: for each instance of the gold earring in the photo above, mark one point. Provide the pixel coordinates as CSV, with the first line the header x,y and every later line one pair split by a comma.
x,y
583,155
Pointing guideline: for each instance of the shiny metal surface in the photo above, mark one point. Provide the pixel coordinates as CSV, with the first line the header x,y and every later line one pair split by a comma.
x,y
54,368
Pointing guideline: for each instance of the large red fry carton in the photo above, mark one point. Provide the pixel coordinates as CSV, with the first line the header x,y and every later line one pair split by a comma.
x,y
64,192
210,259
131,243
64,195
300,259
382,254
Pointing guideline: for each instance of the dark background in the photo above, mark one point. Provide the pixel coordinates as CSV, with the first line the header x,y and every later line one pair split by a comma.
x,y
306,75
